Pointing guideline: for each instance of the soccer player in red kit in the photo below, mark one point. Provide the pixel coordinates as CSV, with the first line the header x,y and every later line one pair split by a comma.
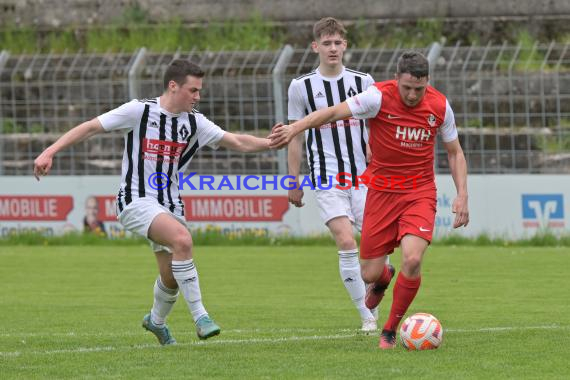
x,y
405,115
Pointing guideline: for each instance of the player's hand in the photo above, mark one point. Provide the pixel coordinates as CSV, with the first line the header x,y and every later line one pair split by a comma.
x,y
268,136
296,197
461,211
42,164
368,153
274,128
281,136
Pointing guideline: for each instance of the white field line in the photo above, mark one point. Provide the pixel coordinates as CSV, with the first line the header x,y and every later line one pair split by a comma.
x,y
508,328
353,333
154,346
103,334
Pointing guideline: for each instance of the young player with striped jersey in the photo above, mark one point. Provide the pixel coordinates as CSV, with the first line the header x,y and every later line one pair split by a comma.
x,y
161,137
405,115
332,150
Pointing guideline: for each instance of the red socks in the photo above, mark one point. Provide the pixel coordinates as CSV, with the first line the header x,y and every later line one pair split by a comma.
x,y
405,291
385,277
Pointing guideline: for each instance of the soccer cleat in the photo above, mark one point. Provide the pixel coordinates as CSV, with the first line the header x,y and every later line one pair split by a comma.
x,y
206,327
369,325
387,340
375,292
161,333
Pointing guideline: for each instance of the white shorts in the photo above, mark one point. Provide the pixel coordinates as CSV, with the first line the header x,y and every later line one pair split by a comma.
x,y
336,202
140,213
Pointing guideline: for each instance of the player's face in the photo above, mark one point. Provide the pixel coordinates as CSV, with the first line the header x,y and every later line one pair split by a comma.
x,y
188,95
412,89
330,49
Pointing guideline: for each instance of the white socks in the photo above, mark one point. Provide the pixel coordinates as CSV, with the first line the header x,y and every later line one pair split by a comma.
x,y
187,279
349,268
164,299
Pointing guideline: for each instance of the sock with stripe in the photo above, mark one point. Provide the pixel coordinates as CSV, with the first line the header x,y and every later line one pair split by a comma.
x,y
187,278
405,291
164,299
349,268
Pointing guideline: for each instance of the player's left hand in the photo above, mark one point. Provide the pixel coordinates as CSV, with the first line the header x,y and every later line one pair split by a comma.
x,y
461,210
281,136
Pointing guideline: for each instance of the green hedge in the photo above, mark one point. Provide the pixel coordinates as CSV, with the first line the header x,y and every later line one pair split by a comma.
x,y
213,238
132,31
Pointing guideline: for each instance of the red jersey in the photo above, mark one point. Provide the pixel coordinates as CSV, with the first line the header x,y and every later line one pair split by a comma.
x,y
402,138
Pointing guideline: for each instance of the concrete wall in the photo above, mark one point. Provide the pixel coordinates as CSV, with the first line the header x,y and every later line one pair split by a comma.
x,y
54,13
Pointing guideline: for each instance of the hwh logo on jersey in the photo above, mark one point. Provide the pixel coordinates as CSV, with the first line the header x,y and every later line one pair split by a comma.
x,y
413,134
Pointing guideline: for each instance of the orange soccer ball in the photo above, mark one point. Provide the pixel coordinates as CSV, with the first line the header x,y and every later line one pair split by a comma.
x,y
421,331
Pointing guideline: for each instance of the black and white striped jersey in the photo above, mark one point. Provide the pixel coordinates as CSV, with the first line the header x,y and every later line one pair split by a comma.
x,y
335,147
158,145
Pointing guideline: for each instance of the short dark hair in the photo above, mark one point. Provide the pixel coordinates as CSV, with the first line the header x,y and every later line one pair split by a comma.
x,y
413,63
179,69
327,27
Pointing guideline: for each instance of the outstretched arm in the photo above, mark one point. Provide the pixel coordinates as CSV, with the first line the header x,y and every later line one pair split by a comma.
x,y
294,155
283,135
244,143
43,163
458,167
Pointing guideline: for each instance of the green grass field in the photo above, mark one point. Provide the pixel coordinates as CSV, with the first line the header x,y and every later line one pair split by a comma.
x,y
75,312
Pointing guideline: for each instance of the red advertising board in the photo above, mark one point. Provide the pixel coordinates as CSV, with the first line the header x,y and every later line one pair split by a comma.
x,y
235,208
220,208
35,207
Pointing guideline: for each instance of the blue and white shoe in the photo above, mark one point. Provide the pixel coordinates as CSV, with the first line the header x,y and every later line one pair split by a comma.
x,y
206,327
161,333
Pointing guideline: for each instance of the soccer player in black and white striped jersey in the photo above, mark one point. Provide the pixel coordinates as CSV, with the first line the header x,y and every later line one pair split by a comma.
x,y
333,149
161,136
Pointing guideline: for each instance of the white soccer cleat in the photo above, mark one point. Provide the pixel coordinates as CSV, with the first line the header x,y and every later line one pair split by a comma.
x,y
369,325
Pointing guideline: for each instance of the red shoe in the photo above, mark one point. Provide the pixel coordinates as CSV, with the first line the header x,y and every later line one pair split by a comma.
x,y
375,292
387,340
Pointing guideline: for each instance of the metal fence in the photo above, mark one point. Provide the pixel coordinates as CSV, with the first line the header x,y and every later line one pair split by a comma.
x,y
511,103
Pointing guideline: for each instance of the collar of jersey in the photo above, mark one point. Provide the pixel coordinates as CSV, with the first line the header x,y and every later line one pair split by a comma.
x,y
165,111
331,78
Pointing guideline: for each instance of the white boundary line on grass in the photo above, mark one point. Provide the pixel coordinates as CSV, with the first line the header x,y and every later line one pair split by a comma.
x,y
507,328
205,343
72,334
249,341
178,332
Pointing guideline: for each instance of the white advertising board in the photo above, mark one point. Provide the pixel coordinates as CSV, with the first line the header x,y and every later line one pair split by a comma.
x,y
511,206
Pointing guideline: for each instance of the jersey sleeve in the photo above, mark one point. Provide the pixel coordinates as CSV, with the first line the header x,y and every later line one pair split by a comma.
x,y
295,102
208,132
126,116
365,105
368,81
448,129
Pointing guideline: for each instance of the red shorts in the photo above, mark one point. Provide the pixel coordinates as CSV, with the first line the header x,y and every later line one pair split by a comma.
x,y
390,216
